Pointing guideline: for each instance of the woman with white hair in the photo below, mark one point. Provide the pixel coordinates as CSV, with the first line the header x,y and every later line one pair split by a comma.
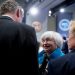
x,y
51,42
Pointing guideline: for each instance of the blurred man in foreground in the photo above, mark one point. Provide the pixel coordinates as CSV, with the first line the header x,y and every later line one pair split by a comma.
x,y
17,39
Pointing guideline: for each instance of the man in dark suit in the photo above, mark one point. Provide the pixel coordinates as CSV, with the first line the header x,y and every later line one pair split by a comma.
x,y
16,38
65,65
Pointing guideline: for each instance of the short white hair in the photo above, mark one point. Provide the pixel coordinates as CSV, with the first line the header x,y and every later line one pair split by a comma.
x,y
53,35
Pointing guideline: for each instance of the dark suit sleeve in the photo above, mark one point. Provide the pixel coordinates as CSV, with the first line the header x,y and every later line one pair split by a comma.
x,y
33,46
35,53
30,46
51,69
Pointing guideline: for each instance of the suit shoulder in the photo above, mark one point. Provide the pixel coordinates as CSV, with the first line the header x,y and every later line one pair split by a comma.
x,y
26,26
66,60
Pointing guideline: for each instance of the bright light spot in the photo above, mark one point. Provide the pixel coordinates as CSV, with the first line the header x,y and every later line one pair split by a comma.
x,y
34,11
50,13
62,10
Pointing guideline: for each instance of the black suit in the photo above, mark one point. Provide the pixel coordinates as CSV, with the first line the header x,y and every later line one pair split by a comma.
x,y
63,66
17,39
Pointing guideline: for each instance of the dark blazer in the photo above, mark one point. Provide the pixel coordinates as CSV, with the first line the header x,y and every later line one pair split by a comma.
x,y
18,39
63,66
65,47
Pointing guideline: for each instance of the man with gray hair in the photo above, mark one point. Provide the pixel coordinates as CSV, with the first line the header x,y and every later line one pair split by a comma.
x,y
13,10
16,38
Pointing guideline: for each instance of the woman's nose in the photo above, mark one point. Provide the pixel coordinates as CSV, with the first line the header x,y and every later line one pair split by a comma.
x,y
45,42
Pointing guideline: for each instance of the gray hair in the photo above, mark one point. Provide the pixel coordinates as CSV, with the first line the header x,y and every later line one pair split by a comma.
x,y
8,6
53,35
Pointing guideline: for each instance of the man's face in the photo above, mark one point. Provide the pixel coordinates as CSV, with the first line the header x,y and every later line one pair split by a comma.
x,y
37,26
71,41
48,44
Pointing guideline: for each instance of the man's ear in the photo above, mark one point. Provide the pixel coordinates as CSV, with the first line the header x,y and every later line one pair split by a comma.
x,y
18,12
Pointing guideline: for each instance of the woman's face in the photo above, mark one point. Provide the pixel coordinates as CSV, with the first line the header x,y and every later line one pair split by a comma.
x,y
48,44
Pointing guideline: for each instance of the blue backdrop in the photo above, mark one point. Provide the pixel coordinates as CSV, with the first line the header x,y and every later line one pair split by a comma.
x,y
62,23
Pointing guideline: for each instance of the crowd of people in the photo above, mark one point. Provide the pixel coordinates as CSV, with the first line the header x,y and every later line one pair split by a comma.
x,y
19,39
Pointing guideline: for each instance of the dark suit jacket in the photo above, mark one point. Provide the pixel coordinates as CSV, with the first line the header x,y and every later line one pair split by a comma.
x,y
63,66
18,39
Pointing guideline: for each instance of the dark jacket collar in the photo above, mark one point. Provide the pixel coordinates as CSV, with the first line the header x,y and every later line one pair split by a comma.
x,y
6,17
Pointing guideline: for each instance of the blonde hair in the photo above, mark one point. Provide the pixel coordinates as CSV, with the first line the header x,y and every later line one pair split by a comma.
x,y
53,35
72,27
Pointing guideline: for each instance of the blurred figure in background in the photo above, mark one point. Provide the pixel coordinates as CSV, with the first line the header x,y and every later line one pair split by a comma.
x,y
37,26
65,45
71,39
